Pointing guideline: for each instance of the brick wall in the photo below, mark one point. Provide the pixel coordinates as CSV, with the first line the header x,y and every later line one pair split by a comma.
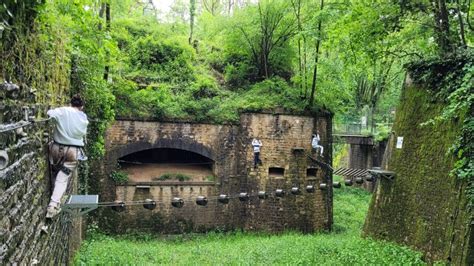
x,y
286,145
25,186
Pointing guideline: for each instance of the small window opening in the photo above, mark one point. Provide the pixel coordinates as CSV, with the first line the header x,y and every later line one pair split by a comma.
x,y
311,172
276,171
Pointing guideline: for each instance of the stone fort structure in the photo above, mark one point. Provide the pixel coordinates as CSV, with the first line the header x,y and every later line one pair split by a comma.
x,y
226,153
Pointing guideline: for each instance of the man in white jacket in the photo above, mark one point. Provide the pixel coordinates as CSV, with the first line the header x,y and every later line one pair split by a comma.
x,y
69,132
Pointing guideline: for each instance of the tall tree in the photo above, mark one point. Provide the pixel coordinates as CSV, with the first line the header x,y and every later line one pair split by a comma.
x,y
442,27
316,58
302,55
192,15
275,29
212,6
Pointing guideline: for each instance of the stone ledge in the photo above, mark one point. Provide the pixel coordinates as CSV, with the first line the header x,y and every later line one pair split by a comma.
x,y
170,183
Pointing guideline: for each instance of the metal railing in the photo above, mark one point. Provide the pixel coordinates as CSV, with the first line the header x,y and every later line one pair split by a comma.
x,y
355,128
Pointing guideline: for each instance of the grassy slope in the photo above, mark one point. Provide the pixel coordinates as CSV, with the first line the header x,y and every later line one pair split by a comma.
x,y
343,246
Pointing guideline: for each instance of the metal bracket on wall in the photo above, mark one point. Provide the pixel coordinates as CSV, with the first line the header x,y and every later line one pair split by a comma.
x,y
377,173
79,205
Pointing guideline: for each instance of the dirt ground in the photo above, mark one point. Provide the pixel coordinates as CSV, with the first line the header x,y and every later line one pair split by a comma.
x,y
151,172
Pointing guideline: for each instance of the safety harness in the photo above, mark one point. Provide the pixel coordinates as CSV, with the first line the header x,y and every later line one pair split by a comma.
x,y
59,164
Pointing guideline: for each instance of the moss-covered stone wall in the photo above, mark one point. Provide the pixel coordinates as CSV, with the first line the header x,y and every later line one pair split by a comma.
x,y
424,206
39,71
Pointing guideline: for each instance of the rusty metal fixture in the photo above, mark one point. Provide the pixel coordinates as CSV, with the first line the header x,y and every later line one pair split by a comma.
x,y
21,132
323,186
377,172
224,199
348,182
177,202
295,190
359,180
244,196
11,89
310,188
201,200
149,204
119,206
279,193
369,178
26,112
3,159
262,195
336,184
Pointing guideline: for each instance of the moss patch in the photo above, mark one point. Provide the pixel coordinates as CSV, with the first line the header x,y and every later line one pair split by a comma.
x,y
422,206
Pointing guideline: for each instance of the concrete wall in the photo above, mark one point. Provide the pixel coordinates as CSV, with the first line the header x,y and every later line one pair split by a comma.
x,y
286,144
424,206
25,188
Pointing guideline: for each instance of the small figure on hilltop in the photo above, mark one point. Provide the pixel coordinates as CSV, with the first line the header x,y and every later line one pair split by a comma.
x,y
256,144
315,143
67,147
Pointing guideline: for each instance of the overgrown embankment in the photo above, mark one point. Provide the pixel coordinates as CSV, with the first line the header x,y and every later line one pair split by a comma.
x,y
343,246
427,205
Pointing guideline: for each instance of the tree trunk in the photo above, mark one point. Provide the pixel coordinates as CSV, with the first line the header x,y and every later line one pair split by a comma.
x,y
461,25
107,29
101,15
442,27
305,67
316,59
297,9
192,11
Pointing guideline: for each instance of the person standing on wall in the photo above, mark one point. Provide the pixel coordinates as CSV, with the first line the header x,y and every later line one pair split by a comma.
x,y
315,144
256,144
67,147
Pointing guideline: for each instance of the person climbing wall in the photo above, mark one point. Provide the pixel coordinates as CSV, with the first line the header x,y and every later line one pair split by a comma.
x,y
256,144
67,147
315,144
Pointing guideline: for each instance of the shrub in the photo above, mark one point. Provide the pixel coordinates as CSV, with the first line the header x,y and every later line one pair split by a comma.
x,y
158,60
210,178
182,177
166,176
119,177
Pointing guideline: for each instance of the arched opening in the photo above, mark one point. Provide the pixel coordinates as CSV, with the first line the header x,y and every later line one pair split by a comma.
x,y
166,164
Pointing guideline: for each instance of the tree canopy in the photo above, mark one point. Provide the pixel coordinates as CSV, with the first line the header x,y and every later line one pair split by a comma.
x,y
205,60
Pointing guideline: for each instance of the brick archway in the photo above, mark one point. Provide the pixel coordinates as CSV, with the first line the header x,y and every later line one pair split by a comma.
x,y
180,144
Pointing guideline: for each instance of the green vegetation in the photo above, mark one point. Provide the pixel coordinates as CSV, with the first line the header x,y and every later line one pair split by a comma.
x,y
119,177
178,176
453,79
342,246
182,177
206,60
210,178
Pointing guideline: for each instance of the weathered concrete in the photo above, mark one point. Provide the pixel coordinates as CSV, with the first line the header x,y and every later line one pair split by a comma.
x,y
286,143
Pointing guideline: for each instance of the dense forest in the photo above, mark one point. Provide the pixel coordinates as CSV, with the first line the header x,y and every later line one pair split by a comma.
x,y
205,60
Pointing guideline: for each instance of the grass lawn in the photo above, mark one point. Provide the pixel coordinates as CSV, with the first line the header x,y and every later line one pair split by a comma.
x,y
342,246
